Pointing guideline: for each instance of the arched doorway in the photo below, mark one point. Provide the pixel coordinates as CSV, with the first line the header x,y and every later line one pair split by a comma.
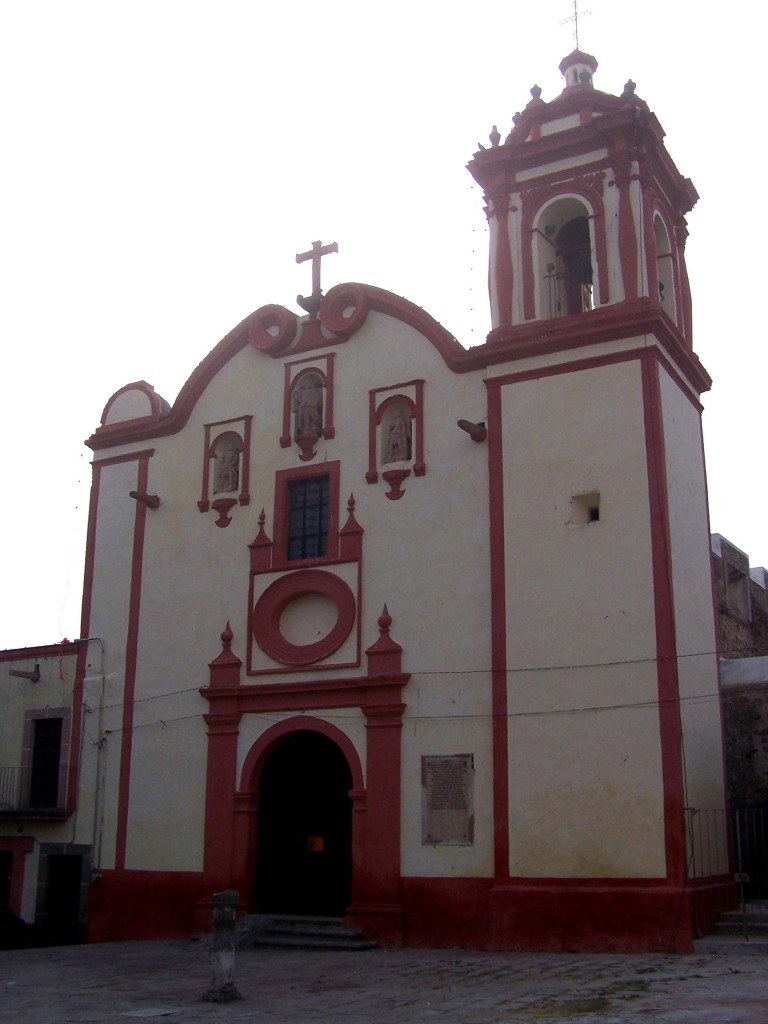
x,y
303,858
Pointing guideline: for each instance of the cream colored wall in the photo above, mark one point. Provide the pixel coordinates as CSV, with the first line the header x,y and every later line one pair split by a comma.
x,y
113,553
694,609
581,630
128,406
195,578
615,274
450,714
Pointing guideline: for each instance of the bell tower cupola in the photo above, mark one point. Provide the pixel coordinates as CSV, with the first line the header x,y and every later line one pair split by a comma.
x,y
586,207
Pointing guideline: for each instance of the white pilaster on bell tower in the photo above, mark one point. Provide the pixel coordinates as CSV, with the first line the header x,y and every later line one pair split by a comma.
x,y
586,207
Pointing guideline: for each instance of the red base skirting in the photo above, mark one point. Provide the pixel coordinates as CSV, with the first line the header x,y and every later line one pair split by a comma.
x,y
467,913
144,905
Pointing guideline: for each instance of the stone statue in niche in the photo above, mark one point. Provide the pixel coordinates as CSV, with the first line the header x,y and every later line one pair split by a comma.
x,y
227,477
398,448
307,406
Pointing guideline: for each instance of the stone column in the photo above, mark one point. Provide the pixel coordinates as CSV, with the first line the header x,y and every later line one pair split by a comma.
x,y
222,988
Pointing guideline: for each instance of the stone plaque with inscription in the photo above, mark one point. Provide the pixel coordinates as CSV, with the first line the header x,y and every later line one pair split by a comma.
x,y
447,800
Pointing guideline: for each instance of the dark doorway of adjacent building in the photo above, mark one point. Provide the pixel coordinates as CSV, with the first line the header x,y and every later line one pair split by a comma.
x,y
62,924
304,860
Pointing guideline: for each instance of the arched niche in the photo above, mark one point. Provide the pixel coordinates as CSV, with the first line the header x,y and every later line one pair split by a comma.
x,y
396,429
307,401
665,267
226,453
564,258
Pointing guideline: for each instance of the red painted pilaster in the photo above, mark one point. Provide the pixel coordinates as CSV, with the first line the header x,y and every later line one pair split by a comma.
x,y
502,262
223,723
670,726
498,638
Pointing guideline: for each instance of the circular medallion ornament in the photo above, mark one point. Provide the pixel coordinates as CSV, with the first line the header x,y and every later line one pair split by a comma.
x,y
269,609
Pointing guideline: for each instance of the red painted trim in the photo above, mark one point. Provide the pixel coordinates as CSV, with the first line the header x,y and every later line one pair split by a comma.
x,y
375,414
276,598
376,802
210,441
686,310
257,756
245,475
65,649
628,355
627,233
498,636
649,233
290,380
19,846
670,727
535,201
173,896
85,622
158,406
504,343
280,521
204,504
115,460
131,653
270,329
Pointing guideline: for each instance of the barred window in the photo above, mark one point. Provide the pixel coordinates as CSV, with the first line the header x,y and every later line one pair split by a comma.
x,y
308,506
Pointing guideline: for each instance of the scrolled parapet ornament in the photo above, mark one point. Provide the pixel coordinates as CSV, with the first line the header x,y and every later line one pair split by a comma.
x,y
272,329
344,309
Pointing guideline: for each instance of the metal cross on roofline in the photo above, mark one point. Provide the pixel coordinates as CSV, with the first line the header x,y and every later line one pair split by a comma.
x,y
575,19
312,302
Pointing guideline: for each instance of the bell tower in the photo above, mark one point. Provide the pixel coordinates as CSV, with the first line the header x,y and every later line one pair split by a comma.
x,y
586,207
601,578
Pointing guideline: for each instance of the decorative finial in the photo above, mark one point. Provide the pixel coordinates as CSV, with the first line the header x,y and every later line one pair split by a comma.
x,y
495,137
516,117
227,635
385,621
629,90
536,92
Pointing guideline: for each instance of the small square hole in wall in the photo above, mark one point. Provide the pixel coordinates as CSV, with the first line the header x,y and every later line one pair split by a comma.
x,y
585,508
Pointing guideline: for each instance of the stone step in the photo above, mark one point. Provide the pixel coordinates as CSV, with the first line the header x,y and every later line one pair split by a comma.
x,y
731,945
289,931
735,926
284,940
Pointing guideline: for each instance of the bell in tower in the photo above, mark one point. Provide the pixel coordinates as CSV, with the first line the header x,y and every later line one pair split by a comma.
x,y
586,208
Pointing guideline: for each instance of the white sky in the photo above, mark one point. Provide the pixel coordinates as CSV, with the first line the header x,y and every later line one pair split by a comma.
x,y
164,162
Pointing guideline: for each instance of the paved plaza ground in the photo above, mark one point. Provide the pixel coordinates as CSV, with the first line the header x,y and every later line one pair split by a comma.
x,y
118,983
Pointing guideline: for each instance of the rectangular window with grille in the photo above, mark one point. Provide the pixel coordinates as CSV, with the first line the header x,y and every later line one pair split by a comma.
x,y
308,508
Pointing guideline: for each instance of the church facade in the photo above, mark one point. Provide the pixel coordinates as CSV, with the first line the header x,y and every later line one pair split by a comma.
x,y
418,635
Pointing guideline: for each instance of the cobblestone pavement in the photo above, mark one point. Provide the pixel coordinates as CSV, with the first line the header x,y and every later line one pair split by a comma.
x,y
118,983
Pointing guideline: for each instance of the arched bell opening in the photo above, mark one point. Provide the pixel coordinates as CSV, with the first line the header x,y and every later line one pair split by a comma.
x,y
665,268
564,259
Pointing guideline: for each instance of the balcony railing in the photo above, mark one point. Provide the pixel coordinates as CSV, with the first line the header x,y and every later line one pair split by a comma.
x,y
556,296
32,794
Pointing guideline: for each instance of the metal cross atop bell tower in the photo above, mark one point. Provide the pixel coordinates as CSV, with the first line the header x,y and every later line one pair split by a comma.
x,y
575,19
312,302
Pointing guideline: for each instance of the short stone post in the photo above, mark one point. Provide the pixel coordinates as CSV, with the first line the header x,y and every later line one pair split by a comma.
x,y
222,988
